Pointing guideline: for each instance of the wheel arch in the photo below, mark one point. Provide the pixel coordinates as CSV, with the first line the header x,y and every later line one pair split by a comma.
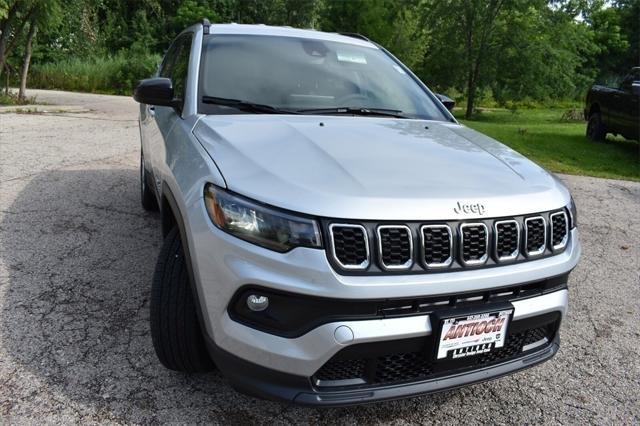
x,y
171,217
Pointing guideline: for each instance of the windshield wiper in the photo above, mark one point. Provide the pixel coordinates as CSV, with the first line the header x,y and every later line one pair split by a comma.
x,y
383,112
245,105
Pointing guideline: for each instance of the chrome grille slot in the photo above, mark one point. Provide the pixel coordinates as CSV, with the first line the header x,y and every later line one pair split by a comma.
x,y
349,245
437,245
474,241
535,232
507,239
559,230
395,247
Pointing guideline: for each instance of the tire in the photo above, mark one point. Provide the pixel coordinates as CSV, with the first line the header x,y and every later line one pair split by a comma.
x,y
175,329
149,202
596,131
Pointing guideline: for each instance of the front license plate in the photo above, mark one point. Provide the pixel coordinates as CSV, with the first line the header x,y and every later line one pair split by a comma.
x,y
473,334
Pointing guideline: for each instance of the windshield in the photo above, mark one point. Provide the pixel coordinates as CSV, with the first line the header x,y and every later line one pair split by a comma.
x,y
305,76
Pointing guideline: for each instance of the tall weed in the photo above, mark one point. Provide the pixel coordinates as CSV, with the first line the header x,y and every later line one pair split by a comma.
x,y
116,74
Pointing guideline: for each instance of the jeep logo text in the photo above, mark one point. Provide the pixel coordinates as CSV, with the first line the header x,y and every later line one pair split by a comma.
x,y
469,208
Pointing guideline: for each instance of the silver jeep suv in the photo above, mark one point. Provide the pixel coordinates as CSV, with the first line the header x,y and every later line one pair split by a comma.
x,y
333,235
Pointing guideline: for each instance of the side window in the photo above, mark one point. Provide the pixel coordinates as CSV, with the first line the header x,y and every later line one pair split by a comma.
x,y
169,59
631,78
180,67
175,65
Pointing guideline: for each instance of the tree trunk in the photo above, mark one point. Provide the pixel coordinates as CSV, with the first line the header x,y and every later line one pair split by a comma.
x,y
471,94
469,28
475,59
33,29
6,73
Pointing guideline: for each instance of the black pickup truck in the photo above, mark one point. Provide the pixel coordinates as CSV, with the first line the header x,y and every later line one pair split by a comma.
x,y
614,110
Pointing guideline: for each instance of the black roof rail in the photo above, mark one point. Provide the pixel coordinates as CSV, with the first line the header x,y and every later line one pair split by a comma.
x,y
205,25
355,35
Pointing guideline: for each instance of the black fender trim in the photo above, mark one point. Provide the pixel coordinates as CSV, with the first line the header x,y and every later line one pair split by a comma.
x,y
150,178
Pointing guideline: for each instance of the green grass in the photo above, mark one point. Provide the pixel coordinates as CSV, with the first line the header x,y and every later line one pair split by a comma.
x,y
558,145
116,74
11,98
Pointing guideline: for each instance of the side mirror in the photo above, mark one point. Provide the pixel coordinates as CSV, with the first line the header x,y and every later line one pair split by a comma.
x,y
446,101
155,91
635,88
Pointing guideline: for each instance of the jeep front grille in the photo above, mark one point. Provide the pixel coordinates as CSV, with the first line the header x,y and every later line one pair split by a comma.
x,y
474,240
559,230
535,230
415,247
395,246
350,245
507,237
437,245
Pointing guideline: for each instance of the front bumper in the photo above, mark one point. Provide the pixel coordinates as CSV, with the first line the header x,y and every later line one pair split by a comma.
x,y
255,380
223,264
304,355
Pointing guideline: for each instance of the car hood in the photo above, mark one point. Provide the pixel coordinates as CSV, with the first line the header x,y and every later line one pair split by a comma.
x,y
374,168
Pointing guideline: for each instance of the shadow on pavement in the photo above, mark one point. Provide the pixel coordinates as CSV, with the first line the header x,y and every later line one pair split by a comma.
x,y
80,253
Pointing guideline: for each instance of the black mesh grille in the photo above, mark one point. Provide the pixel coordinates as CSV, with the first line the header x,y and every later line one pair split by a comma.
x,y
514,344
535,335
350,245
506,239
535,234
437,245
341,370
474,242
395,246
402,367
559,226
419,365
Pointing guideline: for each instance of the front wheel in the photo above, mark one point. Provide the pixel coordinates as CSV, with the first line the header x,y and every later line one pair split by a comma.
x,y
175,329
596,131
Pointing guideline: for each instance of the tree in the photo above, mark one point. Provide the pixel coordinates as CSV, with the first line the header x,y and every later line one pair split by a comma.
x,y
18,15
41,13
465,35
33,29
11,13
542,54
393,24
630,25
617,35
511,50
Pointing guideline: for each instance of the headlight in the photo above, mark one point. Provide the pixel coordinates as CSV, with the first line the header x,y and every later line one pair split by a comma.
x,y
259,224
573,213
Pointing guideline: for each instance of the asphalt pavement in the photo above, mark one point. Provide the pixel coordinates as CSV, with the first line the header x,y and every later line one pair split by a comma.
x,y
76,257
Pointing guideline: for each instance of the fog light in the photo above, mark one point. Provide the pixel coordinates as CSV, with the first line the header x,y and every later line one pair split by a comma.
x,y
257,303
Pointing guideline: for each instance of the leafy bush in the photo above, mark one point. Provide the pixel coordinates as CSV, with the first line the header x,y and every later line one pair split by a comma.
x,y
116,74
11,98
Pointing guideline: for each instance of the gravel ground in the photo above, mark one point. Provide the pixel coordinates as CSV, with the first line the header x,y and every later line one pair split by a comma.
x,y
76,257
